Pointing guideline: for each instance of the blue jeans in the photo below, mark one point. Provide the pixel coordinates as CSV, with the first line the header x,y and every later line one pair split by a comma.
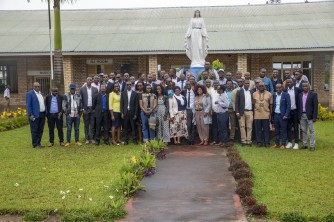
x,y
280,128
148,133
223,125
70,121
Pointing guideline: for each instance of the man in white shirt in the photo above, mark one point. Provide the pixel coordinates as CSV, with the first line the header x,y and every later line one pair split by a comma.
x,y
36,114
182,82
6,95
189,94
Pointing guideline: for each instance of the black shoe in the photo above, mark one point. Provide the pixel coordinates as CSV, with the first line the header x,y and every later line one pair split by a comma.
x,y
125,143
243,144
267,145
38,147
249,144
260,145
107,142
97,143
304,147
135,142
312,149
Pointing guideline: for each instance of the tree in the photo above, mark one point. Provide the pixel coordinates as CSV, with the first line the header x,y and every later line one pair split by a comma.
x,y
57,41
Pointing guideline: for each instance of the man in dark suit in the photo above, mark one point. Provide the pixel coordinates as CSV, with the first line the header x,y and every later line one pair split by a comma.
x,y
101,111
151,83
244,113
36,114
87,94
293,121
129,107
299,80
307,114
280,115
53,103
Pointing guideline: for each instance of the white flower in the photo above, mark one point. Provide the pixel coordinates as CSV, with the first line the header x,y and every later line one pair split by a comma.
x,y
62,192
117,190
67,191
63,197
81,189
55,210
111,197
16,184
106,186
79,196
90,199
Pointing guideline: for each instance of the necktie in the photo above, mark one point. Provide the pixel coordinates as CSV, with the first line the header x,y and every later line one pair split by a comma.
x,y
181,85
189,99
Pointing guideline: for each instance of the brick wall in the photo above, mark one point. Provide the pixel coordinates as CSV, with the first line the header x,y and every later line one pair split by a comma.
x,y
152,63
331,82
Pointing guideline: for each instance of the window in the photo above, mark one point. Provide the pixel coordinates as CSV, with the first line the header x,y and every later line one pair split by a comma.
x,y
8,75
327,72
305,65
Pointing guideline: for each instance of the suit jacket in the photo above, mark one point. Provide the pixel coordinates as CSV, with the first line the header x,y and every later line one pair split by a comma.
x,y
48,103
123,86
133,103
311,106
84,95
240,101
285,104
297,91
109,87
32,104
300,85
153,85
67,101
97,104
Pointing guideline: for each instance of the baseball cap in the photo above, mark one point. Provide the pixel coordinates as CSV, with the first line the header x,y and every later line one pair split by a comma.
x,y
221,70
72,86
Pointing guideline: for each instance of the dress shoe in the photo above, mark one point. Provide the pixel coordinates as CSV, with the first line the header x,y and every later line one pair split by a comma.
x,y
125,143
249,144
38,147
312,149
275,146
259,145
97,143
135,143
282,147
213,143
267,145
62,144
67,144
243,144
50,145
107,143
304,147
78,143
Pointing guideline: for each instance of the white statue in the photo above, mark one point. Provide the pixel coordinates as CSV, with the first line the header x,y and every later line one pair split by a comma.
x,y
196,41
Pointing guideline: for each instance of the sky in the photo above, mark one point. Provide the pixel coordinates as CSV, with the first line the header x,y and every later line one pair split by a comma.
x,y
94,4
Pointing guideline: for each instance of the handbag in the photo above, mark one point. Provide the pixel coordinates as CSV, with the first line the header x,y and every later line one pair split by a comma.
x,y
152,122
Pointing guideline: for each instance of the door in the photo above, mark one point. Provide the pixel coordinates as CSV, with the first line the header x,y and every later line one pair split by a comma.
x,y
44,83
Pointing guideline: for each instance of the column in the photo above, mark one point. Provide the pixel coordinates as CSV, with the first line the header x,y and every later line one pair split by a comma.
x,y
68,72
152,63
331,83
142,64
242,63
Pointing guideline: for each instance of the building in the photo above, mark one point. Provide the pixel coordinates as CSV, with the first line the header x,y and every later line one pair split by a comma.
x,y
244,38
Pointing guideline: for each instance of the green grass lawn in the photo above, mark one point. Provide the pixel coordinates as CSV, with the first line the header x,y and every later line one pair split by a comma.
x,y
32,179
295,180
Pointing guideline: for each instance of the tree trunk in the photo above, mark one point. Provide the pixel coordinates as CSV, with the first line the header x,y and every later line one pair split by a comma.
x,y
58,79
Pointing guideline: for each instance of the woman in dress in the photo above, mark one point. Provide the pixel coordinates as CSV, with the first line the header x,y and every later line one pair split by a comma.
x,y
196,41
148,103
115,113
162,116
139,89
202,114
178,116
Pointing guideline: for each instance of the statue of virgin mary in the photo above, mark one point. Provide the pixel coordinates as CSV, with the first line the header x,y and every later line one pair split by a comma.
x,y
196,41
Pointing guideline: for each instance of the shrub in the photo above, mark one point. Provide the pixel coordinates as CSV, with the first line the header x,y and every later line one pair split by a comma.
x,y
329,218
246,181
237,165
242,173
77,217
324,114
293,217
248,201
35,216
258,210
244,190
13,123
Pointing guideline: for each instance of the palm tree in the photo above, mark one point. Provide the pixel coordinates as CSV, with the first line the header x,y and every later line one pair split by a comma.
x,y
57,41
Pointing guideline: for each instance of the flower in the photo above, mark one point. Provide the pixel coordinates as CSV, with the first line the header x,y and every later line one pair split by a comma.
x,y
90,199
133,160
111,197
67,191
79,196
81,189
62,192
106,186
16,184
63,197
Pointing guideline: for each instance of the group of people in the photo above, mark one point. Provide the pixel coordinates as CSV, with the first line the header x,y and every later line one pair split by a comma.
x,y
169,108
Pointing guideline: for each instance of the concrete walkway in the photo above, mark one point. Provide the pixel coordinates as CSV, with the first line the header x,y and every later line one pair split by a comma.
x,y
191,184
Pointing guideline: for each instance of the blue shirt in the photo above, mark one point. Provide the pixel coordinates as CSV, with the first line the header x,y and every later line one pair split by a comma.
x,y
54,105
278,103
229,96
268,84
104,103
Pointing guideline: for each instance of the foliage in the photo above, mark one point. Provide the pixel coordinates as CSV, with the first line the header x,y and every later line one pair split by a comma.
x,y
35,216
157,148
216,64
285,181
293,217
244,190
13,123
14,114
245,181
324,113
242,173
238,164
248,201
328,218
258,210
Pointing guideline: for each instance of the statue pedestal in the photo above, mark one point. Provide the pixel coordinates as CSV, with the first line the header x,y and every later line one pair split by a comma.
x,y
196,71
